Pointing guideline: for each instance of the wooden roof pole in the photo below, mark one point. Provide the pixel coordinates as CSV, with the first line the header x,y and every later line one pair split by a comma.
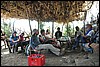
x,y
52,28
38,25
84,20
63,26
27,12
30,25
67,30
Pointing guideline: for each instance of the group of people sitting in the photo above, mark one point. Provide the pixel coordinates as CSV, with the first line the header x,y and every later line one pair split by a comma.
x,y
16,41
90,37
44,41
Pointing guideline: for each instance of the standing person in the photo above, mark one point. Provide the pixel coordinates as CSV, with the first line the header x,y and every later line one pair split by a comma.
x,y
13,40
6,41
58,34
36,45
3,38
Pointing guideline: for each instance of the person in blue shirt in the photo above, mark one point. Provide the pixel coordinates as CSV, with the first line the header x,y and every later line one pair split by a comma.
x,y
13,40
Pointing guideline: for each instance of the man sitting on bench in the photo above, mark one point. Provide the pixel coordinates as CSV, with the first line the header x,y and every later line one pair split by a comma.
x,y
13,40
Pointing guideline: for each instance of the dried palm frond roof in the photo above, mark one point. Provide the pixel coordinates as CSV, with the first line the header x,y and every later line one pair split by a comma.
x,y
56,11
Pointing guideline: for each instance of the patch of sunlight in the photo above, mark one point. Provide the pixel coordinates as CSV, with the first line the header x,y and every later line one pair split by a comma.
x,y
7,52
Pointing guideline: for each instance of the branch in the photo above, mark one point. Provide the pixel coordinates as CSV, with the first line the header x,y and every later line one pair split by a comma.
x,y
5,9
91,5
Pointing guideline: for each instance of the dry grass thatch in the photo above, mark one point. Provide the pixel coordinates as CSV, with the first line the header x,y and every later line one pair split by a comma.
x,y
56,11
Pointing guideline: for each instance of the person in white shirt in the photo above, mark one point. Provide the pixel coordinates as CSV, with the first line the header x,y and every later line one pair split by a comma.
x,y
90,33
83,38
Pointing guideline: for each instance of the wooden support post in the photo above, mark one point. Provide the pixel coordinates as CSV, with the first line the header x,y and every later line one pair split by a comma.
x,y
67,29
52,28
84,21
30,25
38,24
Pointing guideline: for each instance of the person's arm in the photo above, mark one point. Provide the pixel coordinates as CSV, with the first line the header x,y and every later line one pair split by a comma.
x,y
75,33
41,39
3,36
56,34
11,39
61,34
17,39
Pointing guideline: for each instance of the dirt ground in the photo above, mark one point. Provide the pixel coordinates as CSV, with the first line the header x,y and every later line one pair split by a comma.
x,y
14,59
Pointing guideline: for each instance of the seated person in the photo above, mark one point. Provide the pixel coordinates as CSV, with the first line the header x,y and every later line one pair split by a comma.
x,y
3,38
13,40
46,40
48,34
21,42
89,33
96,37
6,41
78,34
36,45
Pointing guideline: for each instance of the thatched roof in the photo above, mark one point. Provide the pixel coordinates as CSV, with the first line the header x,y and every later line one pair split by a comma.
x,y
56,11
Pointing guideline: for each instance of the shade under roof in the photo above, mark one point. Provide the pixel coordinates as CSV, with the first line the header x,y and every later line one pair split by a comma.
x,y
56,11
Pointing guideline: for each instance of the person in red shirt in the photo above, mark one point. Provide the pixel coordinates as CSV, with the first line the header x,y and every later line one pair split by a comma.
x,y
22,42
21,38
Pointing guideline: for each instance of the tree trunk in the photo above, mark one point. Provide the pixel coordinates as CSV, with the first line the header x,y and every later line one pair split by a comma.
x,y
30,26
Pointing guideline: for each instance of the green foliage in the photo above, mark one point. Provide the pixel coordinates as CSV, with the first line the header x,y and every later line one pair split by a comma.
x,y
6,28
41,25
69,31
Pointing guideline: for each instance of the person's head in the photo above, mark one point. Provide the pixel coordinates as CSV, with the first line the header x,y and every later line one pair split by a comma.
x,y
43,32
58,28
47,31
88,26
14,33
35,32
22,34
77,28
